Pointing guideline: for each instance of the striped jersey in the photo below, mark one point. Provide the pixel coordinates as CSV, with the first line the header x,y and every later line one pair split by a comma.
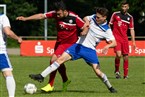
x,y
4,22
96,33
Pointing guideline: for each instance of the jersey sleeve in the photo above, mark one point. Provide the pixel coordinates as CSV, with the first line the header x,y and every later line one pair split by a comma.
x,y
131,25
112,19
79,22
90,17
5,21
51,14
109,36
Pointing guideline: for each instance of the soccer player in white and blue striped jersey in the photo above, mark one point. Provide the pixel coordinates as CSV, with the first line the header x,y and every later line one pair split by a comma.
x,y
85,47
5,65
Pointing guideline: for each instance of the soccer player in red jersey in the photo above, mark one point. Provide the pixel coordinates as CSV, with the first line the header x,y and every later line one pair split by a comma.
x,y
121,22
67,24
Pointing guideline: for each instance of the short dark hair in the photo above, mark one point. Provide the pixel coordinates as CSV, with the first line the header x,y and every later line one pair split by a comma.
x,y
124,2
59,5
103,11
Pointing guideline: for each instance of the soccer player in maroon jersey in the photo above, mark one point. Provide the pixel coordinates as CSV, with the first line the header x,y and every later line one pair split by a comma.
x,y
67,24
121,22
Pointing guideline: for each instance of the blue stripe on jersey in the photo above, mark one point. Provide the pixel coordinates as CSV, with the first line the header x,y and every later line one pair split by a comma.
x,y
102,27
4,62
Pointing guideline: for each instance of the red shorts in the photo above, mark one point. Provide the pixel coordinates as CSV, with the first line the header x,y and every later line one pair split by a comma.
x,y
123,47
60,48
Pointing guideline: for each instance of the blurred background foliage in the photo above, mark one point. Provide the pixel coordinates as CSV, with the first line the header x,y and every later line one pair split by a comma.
x,y
81,7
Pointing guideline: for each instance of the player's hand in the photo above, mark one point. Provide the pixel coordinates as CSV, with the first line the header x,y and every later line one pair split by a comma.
x,y
134,45
105,50
84,33
19,40
87,24
21,18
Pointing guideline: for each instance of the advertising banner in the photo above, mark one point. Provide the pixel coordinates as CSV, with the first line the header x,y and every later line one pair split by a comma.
x,y
37,48
46,48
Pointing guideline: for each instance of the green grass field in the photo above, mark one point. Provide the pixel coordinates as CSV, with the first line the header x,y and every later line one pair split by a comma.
x,y
84,81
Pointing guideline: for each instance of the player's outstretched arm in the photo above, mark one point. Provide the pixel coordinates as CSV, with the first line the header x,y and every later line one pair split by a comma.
x,y
33,17
11,34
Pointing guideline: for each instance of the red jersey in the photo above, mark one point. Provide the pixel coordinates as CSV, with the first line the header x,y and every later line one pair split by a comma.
x,y
67,27
121,23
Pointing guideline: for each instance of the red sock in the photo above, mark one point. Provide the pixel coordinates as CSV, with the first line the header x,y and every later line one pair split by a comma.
x,y
62,71
52,76
117,64
125,67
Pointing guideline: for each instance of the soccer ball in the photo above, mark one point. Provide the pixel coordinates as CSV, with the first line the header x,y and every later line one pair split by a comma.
x,y
30,88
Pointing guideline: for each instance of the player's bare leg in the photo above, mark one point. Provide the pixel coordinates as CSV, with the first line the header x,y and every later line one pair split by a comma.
x,y
103,77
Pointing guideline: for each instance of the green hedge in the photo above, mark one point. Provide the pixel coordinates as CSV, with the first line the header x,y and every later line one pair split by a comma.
x,y
11,43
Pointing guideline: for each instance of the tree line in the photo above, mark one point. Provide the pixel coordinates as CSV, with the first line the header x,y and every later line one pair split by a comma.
x,y
81,7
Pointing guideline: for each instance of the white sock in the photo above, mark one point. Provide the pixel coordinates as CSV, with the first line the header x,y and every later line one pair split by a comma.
x,y
11,86
50,69
106,81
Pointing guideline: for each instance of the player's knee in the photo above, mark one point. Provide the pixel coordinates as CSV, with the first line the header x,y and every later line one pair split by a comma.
x,y
7,73
60,60
54,58
125,57
118,56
